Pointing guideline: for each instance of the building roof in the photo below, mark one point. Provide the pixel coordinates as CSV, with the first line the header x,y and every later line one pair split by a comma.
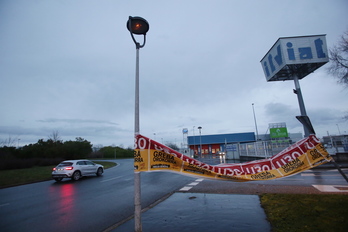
x,y
221,138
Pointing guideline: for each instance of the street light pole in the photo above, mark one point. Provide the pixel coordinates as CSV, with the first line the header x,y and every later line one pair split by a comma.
x,y
137,180
339,132
200,140
138,26
194,141
257,132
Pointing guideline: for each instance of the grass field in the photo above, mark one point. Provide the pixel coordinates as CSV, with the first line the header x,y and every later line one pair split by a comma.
x,y
286,212
305,213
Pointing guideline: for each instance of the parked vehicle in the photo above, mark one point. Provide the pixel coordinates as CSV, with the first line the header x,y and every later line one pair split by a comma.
x,y
75,169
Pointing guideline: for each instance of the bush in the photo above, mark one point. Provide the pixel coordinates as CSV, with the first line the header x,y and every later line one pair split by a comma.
x,y
111,152
16,163
52,152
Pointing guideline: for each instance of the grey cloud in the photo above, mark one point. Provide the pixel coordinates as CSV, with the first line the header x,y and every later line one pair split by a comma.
x,y
75,121
70,66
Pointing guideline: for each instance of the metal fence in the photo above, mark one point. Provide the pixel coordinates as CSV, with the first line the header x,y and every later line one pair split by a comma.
x,y
261,149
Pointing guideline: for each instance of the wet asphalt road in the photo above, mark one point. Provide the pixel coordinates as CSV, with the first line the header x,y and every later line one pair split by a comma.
x,y
95,204
90,204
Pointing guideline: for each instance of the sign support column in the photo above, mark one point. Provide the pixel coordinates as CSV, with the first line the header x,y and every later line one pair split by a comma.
x,y
293,58
300,102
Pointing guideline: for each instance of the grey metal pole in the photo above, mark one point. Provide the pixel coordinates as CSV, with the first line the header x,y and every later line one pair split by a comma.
x,y
138,26
200,140
137,182
136,117
194,141
300,102
257,132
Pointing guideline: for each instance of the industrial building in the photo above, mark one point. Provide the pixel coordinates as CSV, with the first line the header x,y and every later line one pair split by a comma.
x,y
242,146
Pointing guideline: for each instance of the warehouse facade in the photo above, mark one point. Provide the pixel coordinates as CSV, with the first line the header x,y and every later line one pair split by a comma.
x,y
241,146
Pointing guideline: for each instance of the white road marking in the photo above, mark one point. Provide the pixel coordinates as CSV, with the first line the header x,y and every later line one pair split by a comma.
x,y
185,189
331,188
194,183
189,186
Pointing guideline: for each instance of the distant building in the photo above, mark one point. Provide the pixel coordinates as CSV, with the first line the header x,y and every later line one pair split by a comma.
x,y
336,143
241,145
211,144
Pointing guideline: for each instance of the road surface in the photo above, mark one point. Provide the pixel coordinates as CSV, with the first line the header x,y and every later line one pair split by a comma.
x,y
90,204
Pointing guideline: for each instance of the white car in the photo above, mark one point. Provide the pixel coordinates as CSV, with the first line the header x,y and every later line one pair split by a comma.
x,y
75,169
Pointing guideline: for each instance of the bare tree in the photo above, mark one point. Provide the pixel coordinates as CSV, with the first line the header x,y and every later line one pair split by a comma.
x,y
10,142
339,60
173,146
346,117
54,136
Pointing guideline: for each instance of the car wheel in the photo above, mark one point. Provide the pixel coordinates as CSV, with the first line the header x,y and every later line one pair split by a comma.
x,y
58,179
76,175
99,172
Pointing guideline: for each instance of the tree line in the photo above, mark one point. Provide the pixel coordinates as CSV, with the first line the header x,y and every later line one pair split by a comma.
x,y
339,62
52,151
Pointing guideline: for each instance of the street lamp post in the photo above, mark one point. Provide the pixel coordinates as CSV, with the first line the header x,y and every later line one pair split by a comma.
x,y
194,141
257,132
200,140
137,26
339,132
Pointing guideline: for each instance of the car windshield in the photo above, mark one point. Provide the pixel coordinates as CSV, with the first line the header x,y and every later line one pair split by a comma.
x,y
64,164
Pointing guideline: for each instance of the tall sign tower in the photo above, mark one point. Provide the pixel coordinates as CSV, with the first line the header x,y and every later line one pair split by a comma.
x,y
293,58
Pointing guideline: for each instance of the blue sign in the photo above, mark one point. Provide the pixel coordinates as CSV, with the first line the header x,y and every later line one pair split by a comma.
x,y
231,147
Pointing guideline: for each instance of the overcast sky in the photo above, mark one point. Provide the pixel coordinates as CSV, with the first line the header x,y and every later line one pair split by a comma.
x,y
68,66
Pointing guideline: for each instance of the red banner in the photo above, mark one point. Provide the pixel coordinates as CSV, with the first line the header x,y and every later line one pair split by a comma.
x,y
307,153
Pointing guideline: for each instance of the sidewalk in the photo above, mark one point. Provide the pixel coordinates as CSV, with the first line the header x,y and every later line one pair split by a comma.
x,y
190,212
207,212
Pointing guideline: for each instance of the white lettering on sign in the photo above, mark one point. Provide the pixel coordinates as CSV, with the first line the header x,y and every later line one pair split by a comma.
x,y
294,50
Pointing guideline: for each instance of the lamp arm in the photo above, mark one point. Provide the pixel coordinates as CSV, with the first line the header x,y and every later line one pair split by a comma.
x,y
137,44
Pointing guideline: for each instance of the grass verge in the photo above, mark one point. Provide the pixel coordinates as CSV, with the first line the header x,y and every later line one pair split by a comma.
x,y
306,212
15,177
